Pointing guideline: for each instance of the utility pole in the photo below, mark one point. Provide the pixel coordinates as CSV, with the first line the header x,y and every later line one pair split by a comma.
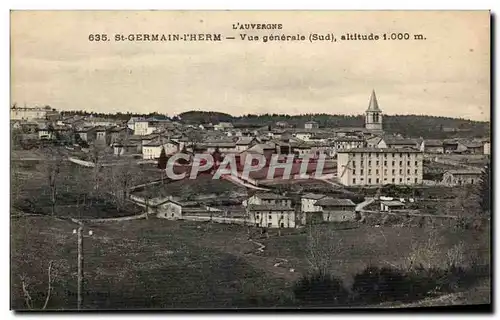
x,y
79,233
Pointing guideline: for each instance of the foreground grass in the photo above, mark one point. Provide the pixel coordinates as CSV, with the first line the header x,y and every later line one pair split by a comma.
x,y
167,264
143,264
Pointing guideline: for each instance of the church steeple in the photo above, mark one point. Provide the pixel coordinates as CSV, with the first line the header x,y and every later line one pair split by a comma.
x,y
373,117
373,106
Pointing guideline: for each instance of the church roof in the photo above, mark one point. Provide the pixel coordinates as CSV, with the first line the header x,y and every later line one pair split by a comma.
x,y
373,106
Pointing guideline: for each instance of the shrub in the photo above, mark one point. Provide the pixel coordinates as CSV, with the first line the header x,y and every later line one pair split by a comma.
x,y
374,285
317,289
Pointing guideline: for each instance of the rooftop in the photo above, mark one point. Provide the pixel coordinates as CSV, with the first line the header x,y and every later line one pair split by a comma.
x,y
379,150
270,196
314,196
335,202
267,207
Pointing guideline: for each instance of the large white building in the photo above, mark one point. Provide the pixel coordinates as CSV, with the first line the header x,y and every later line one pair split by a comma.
x,y
26,113
373,166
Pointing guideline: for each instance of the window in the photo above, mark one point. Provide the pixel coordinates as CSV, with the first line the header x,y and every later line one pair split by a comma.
x,y
408,171
400,179
354,181
393,171
369,163
393,180
385,163
393,155
269,225
409,163
400,163
385,171
361,172
400,155
400,171
393,163
354,171
354,164
361,162
282,225
270,217
376,171
416,163
416,171
369,180
369,171
378,180
385,155
416,180
385,179
258,224
376,163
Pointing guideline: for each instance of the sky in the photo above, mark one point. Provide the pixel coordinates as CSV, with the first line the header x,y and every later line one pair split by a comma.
x,y
448,74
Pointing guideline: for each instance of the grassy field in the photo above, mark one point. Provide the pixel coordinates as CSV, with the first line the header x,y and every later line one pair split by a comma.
x,y
173,264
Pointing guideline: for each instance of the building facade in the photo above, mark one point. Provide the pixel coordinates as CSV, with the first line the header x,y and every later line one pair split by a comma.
x,y
372,166
25,113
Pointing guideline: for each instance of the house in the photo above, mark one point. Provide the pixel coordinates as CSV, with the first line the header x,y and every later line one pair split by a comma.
x,y
311,125
337,210
389,205
301,148
152,149
462,176
142,128
487,148
311,213
45,133
118,134
268,198
432,146
123,148
243,143
100,132
87,134
303,135
450,146
398,143
474,147
375,166
271,216
223,126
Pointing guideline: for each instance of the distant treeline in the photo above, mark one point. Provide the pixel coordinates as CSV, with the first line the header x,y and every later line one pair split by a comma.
x,y
429,127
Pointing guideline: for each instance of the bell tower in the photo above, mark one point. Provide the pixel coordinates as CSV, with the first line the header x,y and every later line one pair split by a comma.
x,y
373,115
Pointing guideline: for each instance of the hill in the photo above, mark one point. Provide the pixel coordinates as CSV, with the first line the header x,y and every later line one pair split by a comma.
x,y
428,127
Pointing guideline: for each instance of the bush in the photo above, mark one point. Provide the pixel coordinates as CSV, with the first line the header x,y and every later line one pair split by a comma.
x,y
374,285
317,289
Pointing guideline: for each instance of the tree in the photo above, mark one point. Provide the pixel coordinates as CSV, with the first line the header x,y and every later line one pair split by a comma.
x,y
119,180
322,250
162,162
52,274
53,168
485,189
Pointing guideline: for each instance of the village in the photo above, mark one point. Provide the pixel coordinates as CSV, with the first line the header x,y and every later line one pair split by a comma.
x,y
339,189
355,158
